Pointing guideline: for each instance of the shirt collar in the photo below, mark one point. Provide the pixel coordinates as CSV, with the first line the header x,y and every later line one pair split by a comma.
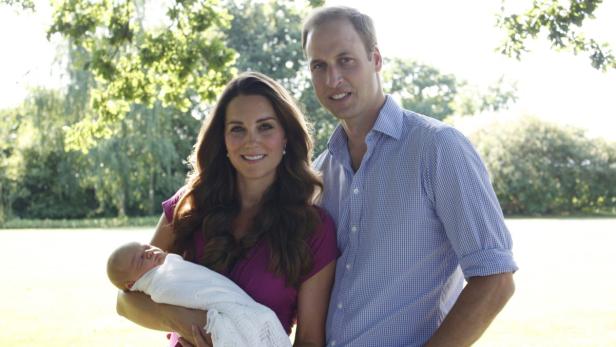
x,y
389,122
337,141
390,118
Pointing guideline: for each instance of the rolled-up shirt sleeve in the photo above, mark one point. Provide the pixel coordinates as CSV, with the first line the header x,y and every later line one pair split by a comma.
x,y
459,186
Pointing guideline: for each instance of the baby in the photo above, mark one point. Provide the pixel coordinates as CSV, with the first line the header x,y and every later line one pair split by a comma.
x,y
131,261
233,317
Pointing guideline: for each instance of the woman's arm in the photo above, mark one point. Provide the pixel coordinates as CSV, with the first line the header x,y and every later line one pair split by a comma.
x,y
313,300
163,235
139,308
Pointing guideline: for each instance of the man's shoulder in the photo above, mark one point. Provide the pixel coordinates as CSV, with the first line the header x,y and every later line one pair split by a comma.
x,y
423,122
408,119
421,128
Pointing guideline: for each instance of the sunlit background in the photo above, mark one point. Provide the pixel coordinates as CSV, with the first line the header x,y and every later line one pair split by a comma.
x,y
457,37
58,294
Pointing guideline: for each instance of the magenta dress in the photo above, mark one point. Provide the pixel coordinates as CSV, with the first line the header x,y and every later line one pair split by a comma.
x,y
251,274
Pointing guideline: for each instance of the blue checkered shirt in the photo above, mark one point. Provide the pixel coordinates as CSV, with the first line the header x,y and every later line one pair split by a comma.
x,y
417,217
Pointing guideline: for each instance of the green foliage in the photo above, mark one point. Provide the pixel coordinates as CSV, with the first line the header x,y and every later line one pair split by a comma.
x,y
421,88
179,66
39,179
26,5
138,167
424,89
10,124
538,168
127,174
561,24
316,3
51,187
272,46
470,101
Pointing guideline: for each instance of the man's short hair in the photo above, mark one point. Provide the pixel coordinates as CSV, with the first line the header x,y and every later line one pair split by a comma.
x,y
361,22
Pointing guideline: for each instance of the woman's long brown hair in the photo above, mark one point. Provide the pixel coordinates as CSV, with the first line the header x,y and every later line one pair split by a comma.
x,y
286,218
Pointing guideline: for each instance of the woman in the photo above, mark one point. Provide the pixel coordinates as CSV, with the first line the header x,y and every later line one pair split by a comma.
x,y
247,212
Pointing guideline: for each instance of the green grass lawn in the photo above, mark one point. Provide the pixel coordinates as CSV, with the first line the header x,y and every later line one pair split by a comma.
x,y
55,291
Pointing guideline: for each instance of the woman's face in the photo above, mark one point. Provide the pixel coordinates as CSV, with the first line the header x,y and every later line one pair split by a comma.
x,y
254,138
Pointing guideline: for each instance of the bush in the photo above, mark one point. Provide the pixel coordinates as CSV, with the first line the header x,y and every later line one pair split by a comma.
x,y
50,187
539,168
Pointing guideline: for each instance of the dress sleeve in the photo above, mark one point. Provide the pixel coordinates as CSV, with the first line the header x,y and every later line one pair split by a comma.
x,y
323,244
169,204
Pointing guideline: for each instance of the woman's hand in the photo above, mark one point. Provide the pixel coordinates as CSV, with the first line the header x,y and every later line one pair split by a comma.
x,y
200,338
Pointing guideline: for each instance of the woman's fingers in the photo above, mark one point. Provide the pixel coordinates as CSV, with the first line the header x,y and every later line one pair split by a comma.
x,y
185,342
200,337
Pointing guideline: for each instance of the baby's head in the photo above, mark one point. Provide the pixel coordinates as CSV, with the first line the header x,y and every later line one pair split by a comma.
x,y
130,261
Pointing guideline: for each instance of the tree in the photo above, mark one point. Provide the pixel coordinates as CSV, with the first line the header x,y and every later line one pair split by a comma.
x,y
540,168
10,124
420,87
272,46
140,165
470,100
425,89
181,65
561,23
47,182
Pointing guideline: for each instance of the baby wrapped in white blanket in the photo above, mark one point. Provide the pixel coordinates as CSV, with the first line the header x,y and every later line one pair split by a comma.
x,y
234,319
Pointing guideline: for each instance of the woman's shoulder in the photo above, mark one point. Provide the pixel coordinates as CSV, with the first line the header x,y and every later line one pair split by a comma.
x,y
325,231
170,203
326,221
323,243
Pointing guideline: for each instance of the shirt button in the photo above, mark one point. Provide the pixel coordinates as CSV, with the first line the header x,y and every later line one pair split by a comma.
x,y
333,343
354,229
355,191
340,306
348,266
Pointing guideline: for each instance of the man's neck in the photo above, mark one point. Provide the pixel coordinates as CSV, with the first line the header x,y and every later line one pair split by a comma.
x,y
358,128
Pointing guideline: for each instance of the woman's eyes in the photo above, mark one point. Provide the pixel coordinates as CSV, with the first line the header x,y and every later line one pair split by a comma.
x,y
260,127
266,126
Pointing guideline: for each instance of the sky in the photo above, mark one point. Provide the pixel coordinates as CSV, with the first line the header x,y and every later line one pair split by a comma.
x,y
457,37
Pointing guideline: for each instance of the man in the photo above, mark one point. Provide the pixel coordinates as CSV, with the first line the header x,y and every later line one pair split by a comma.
x,y
415,210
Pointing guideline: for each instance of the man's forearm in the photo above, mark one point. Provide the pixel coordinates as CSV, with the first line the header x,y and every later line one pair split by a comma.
x,y
480,301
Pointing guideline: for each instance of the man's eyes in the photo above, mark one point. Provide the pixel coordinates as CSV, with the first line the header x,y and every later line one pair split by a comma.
x,y
317,66
341,61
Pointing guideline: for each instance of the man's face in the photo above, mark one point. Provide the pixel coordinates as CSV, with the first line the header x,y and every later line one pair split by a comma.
x,y
344,74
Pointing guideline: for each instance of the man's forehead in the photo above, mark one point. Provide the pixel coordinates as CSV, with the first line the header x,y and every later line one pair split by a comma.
x,y
332,39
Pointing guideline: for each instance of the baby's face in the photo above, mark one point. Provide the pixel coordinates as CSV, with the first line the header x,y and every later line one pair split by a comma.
x,y
143,258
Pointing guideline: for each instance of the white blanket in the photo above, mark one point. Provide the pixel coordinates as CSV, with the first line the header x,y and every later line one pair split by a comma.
x,y
234,319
